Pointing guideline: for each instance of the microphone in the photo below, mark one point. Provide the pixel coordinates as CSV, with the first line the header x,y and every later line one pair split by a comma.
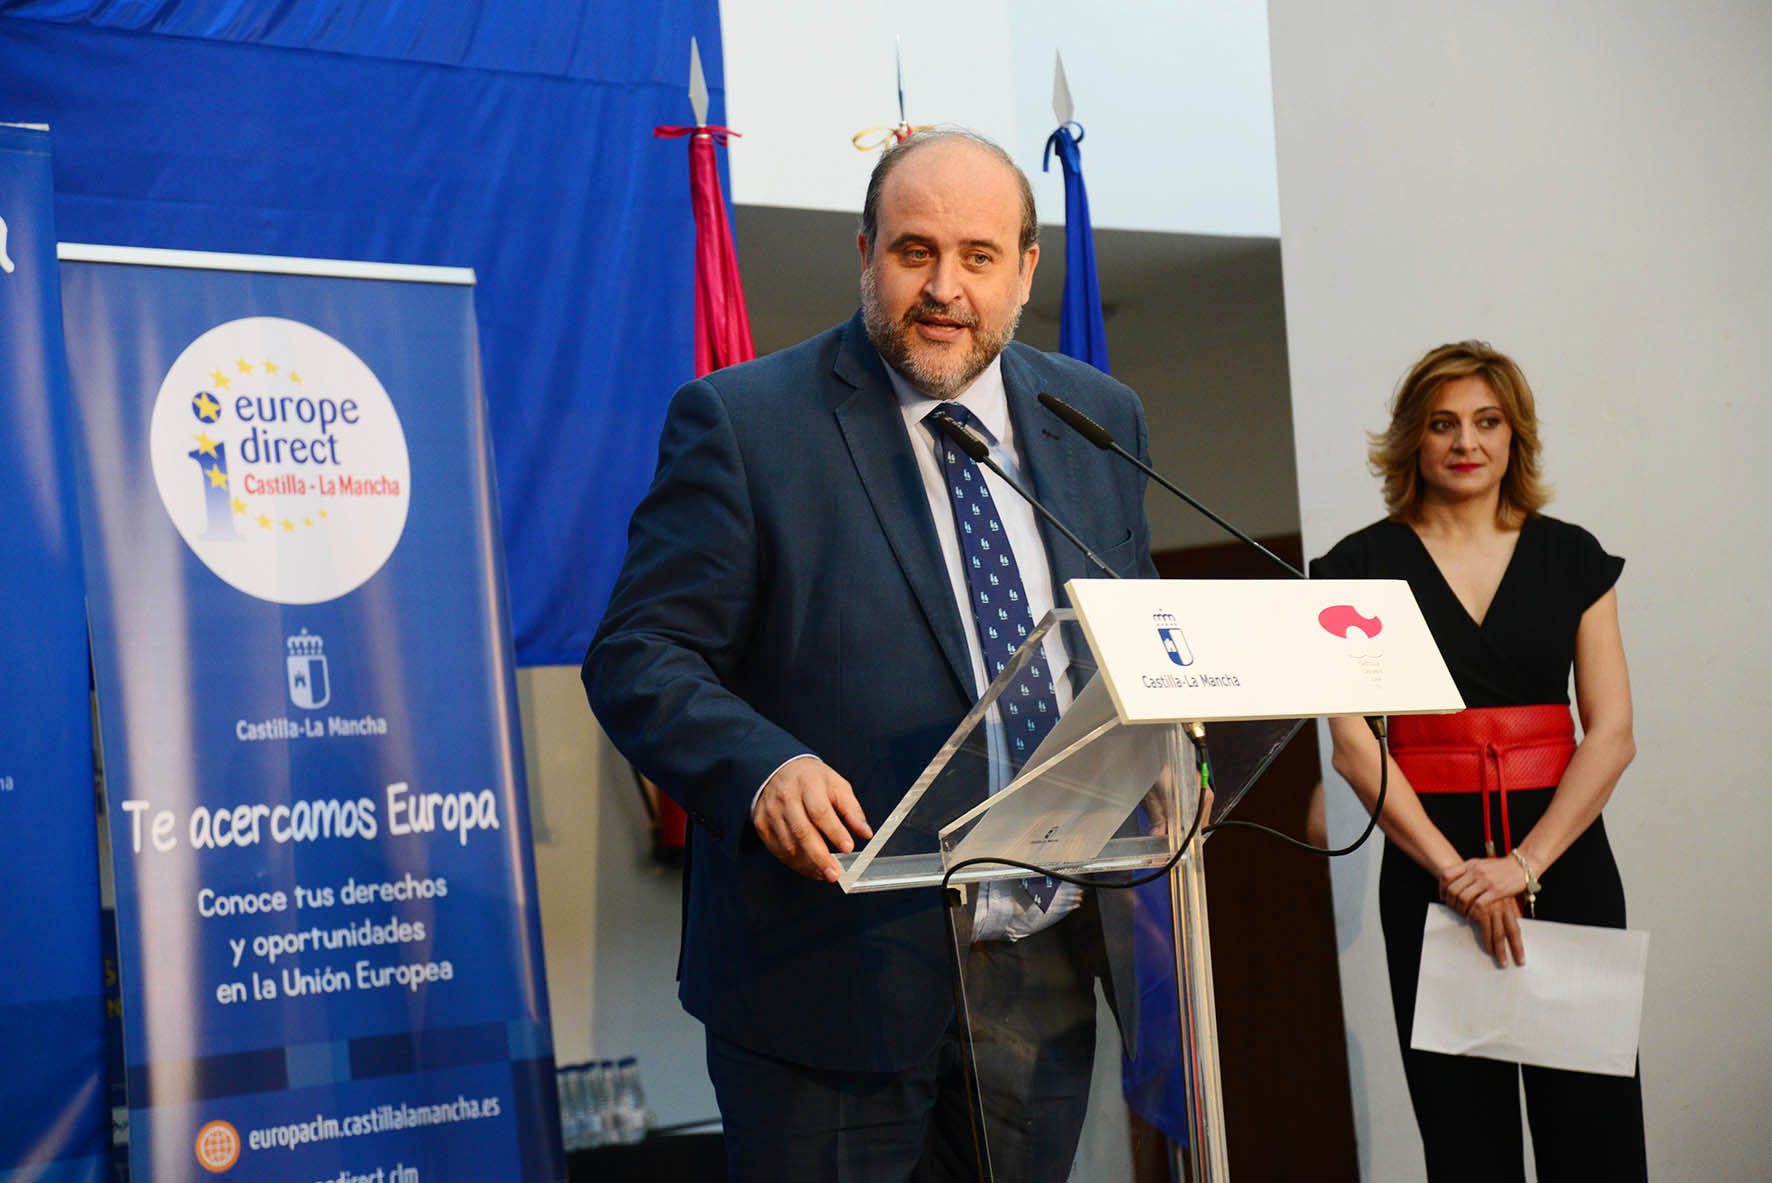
x,y
971,443
1098,435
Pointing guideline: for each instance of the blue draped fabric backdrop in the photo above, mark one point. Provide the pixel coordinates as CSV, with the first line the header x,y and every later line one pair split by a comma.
x,y
515,139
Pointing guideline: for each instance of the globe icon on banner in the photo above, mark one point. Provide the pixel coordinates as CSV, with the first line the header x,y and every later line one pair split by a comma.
x,y
218,1146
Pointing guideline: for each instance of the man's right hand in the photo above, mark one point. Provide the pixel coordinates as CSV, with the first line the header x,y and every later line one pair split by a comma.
x,y
804,812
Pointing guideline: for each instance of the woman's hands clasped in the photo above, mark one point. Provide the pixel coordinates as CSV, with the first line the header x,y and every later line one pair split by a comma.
x,y
1486,892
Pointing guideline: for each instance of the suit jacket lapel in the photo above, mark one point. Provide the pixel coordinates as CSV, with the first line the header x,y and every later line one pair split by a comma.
x,y
1053,458
867,413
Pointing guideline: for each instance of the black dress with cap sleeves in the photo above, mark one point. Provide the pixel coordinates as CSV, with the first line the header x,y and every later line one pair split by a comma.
x,y
1583,1125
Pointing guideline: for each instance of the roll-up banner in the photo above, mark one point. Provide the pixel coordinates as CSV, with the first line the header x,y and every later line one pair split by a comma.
x,y
326,911
54,1123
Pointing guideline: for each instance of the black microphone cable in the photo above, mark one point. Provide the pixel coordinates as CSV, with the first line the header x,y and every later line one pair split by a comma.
x,y
1376,723
1203,764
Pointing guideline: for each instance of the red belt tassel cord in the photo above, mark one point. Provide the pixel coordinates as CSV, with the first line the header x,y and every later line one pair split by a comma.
x,y
1485,750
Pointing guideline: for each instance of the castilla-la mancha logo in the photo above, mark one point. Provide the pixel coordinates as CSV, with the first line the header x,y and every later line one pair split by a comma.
x,y
280,459
1174,642
310,685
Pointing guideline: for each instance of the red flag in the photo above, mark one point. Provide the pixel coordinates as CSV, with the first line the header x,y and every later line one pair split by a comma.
x,y
722,329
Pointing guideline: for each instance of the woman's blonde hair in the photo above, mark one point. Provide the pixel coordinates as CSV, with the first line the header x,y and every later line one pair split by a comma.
x,y
1394,455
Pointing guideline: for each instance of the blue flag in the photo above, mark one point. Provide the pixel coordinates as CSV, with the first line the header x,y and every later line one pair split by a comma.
x,y
1080,331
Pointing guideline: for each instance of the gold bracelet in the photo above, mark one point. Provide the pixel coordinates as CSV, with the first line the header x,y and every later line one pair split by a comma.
x,y
1533,886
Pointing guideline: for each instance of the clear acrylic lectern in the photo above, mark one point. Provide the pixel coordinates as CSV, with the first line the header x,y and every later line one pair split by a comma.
x,y
1111,796
1102,800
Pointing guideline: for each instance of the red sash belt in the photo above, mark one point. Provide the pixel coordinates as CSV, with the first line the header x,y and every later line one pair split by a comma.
x,y
1485,750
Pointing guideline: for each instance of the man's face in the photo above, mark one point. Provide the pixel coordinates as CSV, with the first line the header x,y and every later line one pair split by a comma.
x,y
942,290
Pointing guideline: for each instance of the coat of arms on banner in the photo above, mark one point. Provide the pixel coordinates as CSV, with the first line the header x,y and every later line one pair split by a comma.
x,y
1174,642
309,685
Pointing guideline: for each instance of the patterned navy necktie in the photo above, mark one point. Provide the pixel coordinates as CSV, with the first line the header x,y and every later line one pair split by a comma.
x,y
1028,706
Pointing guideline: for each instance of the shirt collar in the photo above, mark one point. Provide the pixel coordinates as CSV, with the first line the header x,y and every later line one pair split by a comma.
x,y
985,398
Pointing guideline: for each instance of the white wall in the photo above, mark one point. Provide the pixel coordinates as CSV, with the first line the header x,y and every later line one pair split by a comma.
x,y
803,76
1175,102
1173,96
1583,184
609,916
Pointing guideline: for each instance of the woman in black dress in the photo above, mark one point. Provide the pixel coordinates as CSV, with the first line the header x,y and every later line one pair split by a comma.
x,y
1496,810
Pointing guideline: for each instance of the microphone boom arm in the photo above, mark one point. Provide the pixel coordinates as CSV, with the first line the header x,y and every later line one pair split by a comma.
x,y
1098,435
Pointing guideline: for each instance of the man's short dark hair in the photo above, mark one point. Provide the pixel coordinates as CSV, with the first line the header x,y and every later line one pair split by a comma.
x,y
897,154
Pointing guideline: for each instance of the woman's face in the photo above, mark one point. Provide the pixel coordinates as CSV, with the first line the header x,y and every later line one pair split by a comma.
x,y
1465,450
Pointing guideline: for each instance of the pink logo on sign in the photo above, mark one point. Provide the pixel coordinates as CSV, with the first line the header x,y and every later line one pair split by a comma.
x,y
1337,619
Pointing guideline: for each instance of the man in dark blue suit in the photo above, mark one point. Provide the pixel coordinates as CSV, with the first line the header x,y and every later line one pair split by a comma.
x,y
793,636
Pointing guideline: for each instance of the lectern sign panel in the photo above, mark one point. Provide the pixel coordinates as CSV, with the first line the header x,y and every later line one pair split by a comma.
x,y
1199,650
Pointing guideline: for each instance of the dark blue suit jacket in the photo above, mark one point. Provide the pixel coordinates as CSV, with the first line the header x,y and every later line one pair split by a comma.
x,y
784,592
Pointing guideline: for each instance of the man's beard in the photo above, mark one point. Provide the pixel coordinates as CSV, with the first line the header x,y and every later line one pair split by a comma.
x,y
892,339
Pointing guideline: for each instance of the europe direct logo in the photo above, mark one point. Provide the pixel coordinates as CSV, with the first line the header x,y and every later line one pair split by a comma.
x,y
280,459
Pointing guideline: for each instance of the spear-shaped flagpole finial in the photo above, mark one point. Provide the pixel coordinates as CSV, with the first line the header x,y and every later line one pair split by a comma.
x,y
1061,90
898,59
884,138
698,85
